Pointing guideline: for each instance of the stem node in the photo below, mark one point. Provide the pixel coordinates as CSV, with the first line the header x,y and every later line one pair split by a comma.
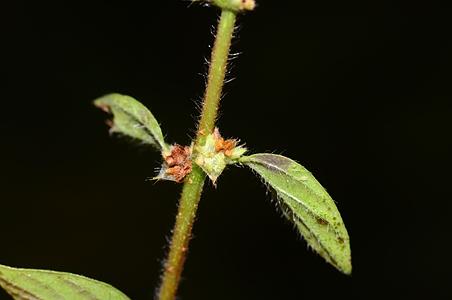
x,y
194,182
232,5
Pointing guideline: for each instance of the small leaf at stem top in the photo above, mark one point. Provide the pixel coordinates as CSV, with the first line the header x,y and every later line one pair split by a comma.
x,y
306,203
28,284
132,119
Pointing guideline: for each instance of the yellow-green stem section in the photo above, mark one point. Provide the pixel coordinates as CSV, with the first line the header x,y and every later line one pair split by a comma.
x,y
192,189
216,75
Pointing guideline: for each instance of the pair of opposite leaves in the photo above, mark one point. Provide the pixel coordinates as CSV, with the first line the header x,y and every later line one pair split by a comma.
x,y
301,197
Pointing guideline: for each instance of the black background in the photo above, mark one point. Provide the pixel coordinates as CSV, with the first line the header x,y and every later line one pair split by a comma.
x,y
359,93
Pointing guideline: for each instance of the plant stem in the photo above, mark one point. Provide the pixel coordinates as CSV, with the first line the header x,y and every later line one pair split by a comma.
x,y
217,73
193,185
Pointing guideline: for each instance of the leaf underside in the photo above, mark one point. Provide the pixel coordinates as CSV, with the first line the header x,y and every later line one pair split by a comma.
x,y
27,284
133,119
306,203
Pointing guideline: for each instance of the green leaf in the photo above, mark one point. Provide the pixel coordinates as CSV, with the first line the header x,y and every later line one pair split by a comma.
x,y
26,284
307,204
133,119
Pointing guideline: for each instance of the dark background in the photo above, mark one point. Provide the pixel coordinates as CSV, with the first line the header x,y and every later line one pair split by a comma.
x,y
358,92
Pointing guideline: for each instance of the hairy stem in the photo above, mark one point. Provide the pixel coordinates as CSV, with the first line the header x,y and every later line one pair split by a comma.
x,y
217,72
192,189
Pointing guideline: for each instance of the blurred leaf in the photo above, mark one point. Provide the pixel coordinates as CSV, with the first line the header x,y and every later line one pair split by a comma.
x,y
306,203
25,284
133,119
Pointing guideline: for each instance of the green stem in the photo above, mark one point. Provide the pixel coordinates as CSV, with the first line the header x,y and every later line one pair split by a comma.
x,y
216,75
193,185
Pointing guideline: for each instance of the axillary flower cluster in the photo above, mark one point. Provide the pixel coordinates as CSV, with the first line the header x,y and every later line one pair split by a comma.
x,y
133,119
302,199
213,157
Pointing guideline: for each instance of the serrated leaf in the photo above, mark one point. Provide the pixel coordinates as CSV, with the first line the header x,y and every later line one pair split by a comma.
x,y
28,284
133,119
307,204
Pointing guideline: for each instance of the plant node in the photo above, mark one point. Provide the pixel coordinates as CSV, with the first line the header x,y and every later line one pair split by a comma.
x,y
216,153
233,5
177,163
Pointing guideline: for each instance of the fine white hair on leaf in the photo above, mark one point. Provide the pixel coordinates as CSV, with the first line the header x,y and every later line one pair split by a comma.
x,y
306,203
